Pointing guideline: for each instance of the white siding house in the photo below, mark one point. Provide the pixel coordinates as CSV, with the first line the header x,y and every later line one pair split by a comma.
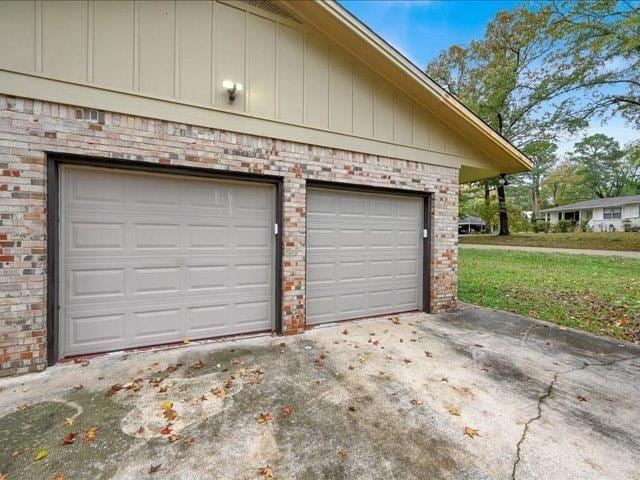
x,y
601,214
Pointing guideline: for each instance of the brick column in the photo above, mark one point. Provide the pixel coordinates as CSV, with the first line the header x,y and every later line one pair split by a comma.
x,y
294,253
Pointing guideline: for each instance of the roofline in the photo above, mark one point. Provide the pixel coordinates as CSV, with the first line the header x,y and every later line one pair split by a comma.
x,y
412,71
576,206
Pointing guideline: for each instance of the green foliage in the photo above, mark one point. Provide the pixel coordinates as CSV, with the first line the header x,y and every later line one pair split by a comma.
x,y
603,166
597,294
540,226
564,226
590,240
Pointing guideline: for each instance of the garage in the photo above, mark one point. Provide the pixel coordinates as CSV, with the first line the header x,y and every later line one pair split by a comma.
x,y
365,254
148,258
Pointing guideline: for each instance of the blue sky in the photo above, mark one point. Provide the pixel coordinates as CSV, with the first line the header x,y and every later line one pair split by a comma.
x,y
420,29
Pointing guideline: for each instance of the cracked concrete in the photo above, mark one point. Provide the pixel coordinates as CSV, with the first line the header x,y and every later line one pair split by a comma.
x,y
369,400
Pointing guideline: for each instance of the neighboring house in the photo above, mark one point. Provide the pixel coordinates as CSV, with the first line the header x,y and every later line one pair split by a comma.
x,y
601,214
176,170
471,224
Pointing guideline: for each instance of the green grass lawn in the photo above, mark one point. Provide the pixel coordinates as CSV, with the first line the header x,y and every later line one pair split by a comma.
x,y
597,294
627,241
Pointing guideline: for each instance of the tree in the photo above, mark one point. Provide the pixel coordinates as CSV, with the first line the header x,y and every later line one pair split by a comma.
x,y
562,186
603,165
603,35
509,80
543,155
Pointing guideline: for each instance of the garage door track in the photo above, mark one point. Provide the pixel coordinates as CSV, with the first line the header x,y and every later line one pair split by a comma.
x,y
473,394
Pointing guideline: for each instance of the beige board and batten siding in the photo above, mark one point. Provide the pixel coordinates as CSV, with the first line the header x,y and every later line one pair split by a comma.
x,y
180,52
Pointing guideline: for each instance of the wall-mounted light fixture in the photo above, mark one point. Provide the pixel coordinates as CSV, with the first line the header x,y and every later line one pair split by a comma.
x,y
232,88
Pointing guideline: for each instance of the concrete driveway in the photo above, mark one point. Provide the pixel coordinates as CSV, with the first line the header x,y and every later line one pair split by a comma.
x,y
473,394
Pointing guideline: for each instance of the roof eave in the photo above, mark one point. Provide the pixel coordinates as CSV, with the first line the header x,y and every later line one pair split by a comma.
x,y
333,18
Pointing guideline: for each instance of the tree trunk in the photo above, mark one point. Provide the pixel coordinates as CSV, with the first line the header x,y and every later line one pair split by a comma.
x,y
536,201
502,210
487,203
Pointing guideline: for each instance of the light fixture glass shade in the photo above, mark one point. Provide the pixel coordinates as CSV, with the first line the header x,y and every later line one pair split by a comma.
x,y
238,87
228,84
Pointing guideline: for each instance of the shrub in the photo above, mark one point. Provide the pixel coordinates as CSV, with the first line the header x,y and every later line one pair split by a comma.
x,y
584,225
563,226
540,226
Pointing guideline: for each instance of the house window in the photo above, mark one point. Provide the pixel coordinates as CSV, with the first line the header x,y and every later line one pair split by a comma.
x,y
610,213
573,216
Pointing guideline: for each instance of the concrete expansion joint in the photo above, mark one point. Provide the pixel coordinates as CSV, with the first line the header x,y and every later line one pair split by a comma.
x,y
547,393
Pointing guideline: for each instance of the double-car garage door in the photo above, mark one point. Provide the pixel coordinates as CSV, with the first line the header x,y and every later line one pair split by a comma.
x,y
150,258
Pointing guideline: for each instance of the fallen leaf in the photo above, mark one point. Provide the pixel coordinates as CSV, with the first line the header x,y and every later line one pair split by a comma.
x,y
186,341
170,414
68,421
345,332
154,468
198,365
428,354
166,405
415,401
351,408
471,432
17,452
453,410
113,389
78,387
69,438
265,417
266,472
444,379
407,360
173,438
40,455
287,410
343,452
395,320
219,392
57,476
90,434
479,345
581,398
21,407
166,430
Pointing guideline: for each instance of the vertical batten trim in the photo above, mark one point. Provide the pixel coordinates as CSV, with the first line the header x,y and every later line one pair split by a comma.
x,y
329,79
213,53
38,31
305,87
136,46
247,74
276,84
176,50
90,40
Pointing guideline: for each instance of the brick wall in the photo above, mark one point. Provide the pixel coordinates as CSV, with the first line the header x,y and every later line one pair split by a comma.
x,y
30,128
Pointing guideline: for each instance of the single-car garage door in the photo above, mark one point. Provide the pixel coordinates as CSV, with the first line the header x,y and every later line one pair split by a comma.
x,y
150,258
364,254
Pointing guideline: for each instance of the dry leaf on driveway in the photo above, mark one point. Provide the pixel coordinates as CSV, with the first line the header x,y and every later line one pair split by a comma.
x,y
41,454
287,410
266,472
471,432
415,401
581,398
90,434
453,410
69,438
166,405
170,414
265,417
154,468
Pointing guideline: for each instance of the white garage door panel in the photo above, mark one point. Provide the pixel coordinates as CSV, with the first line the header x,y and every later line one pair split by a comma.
x,y
364,254
148,258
